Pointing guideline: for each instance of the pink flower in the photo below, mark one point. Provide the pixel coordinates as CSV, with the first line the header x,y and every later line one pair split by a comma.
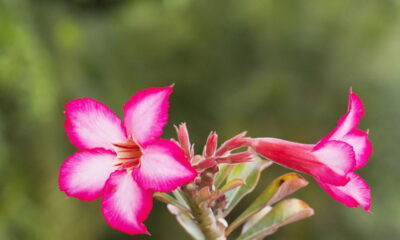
x,y
332,161
123,162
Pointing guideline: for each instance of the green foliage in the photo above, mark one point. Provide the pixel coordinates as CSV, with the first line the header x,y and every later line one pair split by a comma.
x,y
277,190
283,213
223,173
186,221
166,198
250,173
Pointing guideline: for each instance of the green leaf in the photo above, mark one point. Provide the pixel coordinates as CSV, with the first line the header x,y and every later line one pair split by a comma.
x,y
250,172
180,197
232,184
166,198
186,221
255,218
285,212
224,171
277,190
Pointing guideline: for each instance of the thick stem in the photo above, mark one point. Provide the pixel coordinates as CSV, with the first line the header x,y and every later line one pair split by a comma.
x,y
208,222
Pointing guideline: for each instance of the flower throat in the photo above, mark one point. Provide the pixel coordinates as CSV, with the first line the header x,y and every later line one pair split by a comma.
x,y
128,154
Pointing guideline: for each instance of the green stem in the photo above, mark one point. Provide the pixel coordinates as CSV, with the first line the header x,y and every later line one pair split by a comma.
x,y
204,215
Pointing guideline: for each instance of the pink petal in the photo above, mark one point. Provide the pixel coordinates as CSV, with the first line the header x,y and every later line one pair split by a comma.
x,y
355,193
125,204
91,124
301,157
146,113
338,156
348,121
84,174
361,145
163,167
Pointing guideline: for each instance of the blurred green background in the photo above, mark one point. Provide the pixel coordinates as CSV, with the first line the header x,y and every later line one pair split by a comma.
x,y
278,68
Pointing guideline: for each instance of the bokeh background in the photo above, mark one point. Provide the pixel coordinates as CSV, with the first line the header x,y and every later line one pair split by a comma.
x,y
279,68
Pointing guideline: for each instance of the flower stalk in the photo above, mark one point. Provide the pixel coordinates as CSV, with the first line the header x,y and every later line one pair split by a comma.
x,y
203,214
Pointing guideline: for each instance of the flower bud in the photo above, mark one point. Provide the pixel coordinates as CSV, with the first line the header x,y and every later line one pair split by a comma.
x,y
211,145
231,144
236,158
183,137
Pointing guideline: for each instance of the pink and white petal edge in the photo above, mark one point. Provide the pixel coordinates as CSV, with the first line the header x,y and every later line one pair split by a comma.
x,y
84,174
348,121
91,124
361,145
355,193
125,204
164,167
146,113
338,156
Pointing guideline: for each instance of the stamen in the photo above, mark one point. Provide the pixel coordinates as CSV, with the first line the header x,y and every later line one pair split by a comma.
x,y
128,154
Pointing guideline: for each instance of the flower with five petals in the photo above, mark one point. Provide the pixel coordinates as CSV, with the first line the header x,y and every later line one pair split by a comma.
x,y
123,162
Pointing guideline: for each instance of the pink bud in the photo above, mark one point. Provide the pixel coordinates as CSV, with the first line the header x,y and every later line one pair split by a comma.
x,y
236,158
206,163
231,144
183,137
211,145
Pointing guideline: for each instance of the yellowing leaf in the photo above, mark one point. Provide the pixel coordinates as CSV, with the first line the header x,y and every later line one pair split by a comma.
x,y
277,190
285,212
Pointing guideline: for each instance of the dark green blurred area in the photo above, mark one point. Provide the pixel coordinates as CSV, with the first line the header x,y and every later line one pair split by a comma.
x,y
275,68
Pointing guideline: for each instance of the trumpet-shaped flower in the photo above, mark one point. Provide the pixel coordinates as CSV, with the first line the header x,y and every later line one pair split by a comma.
x,y
123,162
332,161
